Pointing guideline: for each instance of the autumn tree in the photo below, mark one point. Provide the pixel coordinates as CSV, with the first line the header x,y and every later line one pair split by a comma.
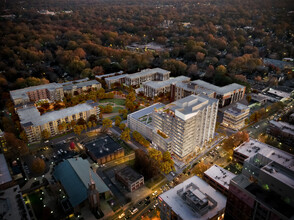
x,y
125,135
117,120
107,123
45,134
122,126
15,146
38,166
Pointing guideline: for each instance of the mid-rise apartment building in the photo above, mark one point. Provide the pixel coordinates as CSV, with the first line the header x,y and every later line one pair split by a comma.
x,y
154,88
141,120
192,199
34,123
120,79
235,116
155,74
51,91
184,126
227,94
265,189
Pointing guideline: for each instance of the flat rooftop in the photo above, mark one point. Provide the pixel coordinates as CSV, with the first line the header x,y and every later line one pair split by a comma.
x,y
146,72
102,146
279,93
30,114
197,89
220,175
165,83
129,175
22,93
108,75
12,206
70,85
237,109
183,210
146,111
220,90
189,106
283,126
253,147
4,171
116,77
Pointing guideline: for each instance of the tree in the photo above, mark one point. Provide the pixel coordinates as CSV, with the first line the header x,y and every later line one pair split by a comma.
x,y
248,98
177,67
155,154
131,96
16,147
108,109
125,135
200,56
61,127
89,124
165,167
117,120
81,121
93,118
45,134
122,126
166,156
78,129
200,168
124,112
221,69
38,166
192,70
106,123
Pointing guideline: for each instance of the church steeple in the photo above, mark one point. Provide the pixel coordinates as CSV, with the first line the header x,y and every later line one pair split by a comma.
x,y
93,194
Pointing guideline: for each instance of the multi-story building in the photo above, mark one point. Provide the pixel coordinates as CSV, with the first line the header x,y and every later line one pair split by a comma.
x,y
141,120
79,86
181,90
120,79
226,94
219,178
265,189
192,199
155,74
282,130
34,123
104,149
130,178
3,147
154,88
235,116
184,126
51,91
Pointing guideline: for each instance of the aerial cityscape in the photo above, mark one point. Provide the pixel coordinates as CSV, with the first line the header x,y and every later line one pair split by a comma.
x,y
147,110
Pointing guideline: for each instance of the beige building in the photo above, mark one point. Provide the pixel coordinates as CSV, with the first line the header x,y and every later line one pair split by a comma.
x,y
154,88
155,74
235,116
227,94
51,91
184,126
34,123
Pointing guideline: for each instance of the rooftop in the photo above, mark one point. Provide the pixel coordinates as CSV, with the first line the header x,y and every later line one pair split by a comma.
x,y
189,106
31,115
237,109
129,175
220,175
78,84
108,75
145,111
192,87
146,72
162,84
283,126
279,93
74,175
22,93
200,193
4,171
102,146
116,77
12,206
253,147
220,90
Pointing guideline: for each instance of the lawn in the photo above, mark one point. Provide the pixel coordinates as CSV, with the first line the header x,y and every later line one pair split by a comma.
x,y
116,109
116,101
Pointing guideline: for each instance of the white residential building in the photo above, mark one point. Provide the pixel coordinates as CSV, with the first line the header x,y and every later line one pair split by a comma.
x,y
235,116
184,126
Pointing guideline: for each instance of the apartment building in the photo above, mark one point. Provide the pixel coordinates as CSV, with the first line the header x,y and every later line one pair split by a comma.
x,y
184,126
34,123
120,79
141,120
154,88
265,188
192,199
227,94
155,74
235,116
130,178
219,178
51,91
181,90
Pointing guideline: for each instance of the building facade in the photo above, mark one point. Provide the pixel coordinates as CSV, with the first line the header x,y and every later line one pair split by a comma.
x,y
130,178
155,88
141,120
235,116
34,123
155,74
227,94
192,199
184,126
110,81
79,86
264,189
283,131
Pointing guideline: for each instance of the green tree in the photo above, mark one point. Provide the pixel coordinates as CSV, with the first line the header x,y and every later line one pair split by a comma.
x,y
125,135
122,126
45,134
89,124
221,69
